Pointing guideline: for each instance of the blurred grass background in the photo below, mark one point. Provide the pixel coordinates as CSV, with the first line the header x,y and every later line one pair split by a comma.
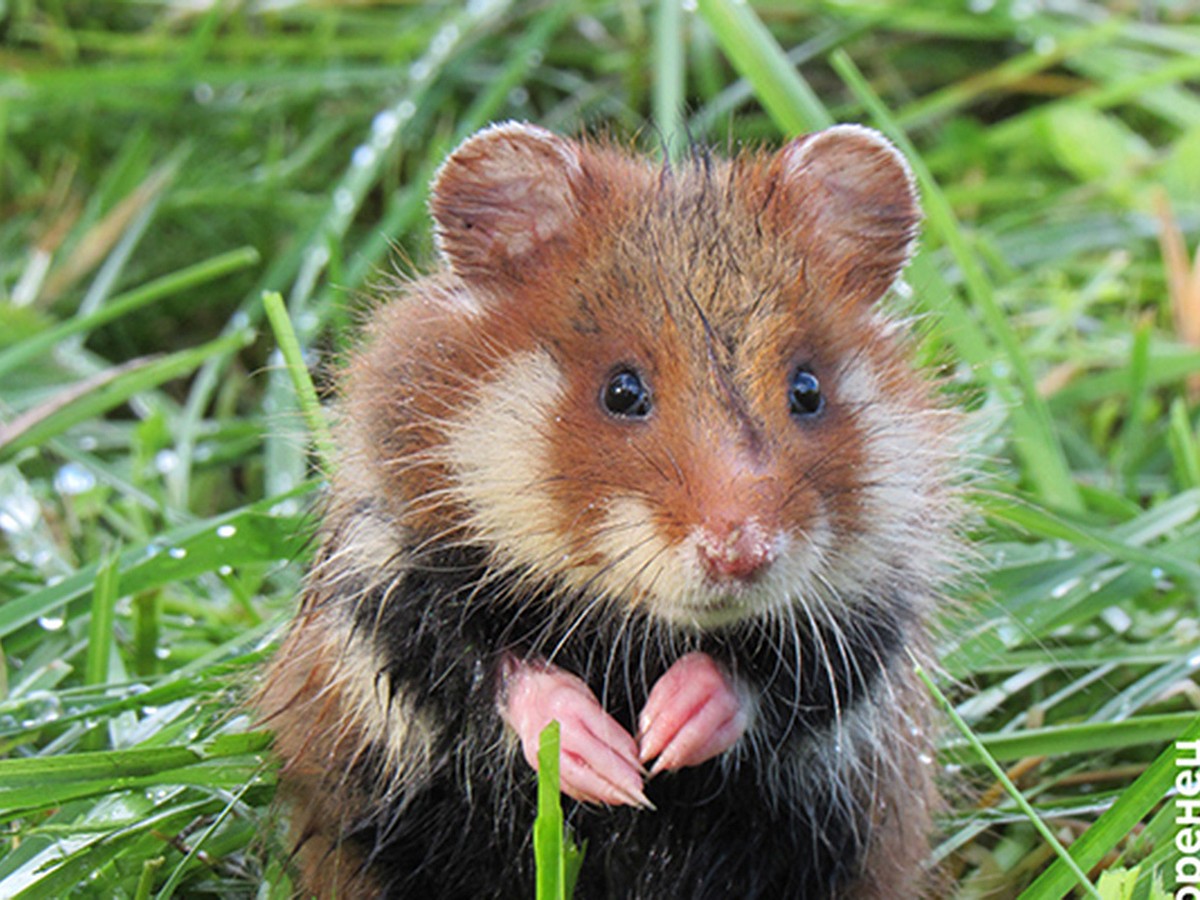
x,y
162,164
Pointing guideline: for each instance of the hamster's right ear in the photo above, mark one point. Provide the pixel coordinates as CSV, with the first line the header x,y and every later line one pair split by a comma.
x,y
504,195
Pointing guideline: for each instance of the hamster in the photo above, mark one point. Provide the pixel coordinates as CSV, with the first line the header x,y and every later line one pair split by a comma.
x,y
645,454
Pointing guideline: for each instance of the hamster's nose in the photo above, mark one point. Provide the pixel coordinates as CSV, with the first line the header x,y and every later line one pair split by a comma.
x,y
739,551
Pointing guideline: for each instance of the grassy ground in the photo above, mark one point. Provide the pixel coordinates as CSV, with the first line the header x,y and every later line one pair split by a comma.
x,y
161,164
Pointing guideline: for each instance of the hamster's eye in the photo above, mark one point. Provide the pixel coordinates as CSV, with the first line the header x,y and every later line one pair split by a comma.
x,y
804,393
625,396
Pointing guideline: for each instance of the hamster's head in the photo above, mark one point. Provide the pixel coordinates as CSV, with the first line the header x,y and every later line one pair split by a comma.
x,y
689,400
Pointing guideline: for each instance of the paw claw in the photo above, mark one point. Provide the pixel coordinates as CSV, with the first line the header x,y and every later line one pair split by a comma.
x,y
599,760
693,714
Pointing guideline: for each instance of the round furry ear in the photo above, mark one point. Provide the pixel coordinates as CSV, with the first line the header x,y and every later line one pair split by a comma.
x,y
502,196
848,198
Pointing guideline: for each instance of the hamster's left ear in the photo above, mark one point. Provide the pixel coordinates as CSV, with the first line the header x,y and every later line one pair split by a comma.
x,y
502,198
847,197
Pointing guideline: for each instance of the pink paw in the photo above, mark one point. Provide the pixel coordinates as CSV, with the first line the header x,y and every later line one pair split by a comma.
x,y
599,760
692,715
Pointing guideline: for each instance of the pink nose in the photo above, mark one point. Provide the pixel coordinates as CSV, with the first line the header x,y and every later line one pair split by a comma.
x,y
741,552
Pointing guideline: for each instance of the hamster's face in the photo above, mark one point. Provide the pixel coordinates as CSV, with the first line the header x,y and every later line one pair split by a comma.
x,y
696,407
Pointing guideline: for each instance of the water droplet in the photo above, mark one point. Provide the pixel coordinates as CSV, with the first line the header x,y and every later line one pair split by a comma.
x,y
225,570
316,256
166,461
162,653
1044,45
384,125
420,70
364,156
1194,661
1065,588
226,530
287,507
1023,9
925,759
73,479
1157,573
239,320
343,201
443,42
88,443
203,93
19,513
518,96
177,553
51,623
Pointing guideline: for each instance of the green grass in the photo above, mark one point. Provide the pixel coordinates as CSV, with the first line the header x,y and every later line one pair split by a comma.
x,y
162,166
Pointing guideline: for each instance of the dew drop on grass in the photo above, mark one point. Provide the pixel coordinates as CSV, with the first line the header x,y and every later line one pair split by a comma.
x,y
343,201
177,553
88,443
420,70
19,513
225,570
166,461
73,479
443,42
1065,588
226,530
162,653
287,507
203,93
363,157
51,623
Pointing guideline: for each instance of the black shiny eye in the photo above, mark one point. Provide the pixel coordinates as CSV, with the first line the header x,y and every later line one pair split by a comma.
x,y
804,393
625,396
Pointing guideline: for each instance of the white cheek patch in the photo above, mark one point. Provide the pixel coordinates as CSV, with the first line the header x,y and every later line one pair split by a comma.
x,y
639,566
903,508
498,450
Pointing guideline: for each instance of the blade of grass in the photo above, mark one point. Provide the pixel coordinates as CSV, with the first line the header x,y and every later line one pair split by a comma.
x,y
100,631
200,273
265,535
1133,804
548,826
1088,737
669,74
111,392
1080,877
310,404
757,56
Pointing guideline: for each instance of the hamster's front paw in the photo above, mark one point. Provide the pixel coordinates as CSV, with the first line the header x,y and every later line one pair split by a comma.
x,y
599,759
693,714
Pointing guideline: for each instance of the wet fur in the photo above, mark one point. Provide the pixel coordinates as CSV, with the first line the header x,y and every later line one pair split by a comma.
x,y
481,507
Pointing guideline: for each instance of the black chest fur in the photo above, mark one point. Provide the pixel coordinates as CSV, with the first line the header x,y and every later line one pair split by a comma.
x,y
731,828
